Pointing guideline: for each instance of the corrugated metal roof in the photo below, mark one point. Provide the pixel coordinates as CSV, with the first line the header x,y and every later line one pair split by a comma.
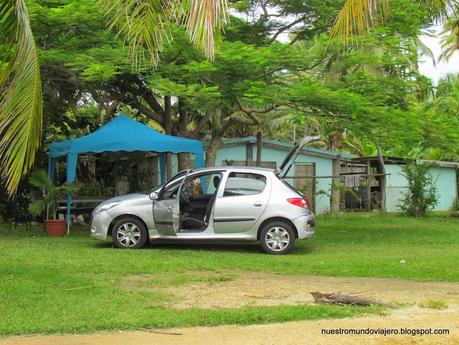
x,y
288,146
400,160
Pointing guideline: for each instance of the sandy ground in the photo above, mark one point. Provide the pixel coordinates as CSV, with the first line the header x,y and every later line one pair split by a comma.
x,y
268,289
238,289
301,332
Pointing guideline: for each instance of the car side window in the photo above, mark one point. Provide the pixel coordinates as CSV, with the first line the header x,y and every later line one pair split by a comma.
x,y
244,184
169,191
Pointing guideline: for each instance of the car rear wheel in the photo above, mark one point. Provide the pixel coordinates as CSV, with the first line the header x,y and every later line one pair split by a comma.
x,y
129,233
277,238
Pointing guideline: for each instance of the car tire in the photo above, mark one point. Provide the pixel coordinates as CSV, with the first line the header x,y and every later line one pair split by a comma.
x,y
273,236
129,233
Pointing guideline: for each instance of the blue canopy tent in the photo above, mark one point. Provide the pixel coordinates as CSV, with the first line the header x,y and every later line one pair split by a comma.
x,y
121,134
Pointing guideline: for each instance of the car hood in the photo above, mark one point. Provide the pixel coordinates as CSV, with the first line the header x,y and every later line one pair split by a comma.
x,y
127,197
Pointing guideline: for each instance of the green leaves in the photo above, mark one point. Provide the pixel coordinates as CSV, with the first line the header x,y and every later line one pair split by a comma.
x,y
358,16
40,179
21,94
146,24
422,194
52,194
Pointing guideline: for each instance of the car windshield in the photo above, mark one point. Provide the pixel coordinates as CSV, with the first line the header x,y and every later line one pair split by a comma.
x,y
154,189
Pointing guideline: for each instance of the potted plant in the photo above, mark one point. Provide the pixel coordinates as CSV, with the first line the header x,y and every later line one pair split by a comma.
x,y
52,194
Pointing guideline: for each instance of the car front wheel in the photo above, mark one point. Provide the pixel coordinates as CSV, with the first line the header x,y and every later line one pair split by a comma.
x,y
129,233
277,238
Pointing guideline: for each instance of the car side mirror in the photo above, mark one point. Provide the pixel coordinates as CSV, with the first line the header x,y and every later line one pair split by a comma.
x,y
153,196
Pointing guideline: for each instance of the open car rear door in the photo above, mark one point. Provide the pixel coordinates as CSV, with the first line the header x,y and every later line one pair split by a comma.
x,y
288,161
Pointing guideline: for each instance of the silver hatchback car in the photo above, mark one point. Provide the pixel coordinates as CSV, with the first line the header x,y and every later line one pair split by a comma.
x,y
219,203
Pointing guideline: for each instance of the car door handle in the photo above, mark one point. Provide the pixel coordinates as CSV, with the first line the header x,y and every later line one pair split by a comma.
x,y
257,204
169,208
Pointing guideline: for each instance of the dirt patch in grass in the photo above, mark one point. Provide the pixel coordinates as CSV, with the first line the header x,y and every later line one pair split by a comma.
x,y
239,289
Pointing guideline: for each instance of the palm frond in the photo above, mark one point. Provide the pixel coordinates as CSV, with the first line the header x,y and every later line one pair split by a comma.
x,y
21,112
357,17
143,24
449,38
438,9
205,22
424,49
40,179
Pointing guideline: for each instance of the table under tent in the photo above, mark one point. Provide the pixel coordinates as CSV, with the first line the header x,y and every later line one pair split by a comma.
x,y
120,134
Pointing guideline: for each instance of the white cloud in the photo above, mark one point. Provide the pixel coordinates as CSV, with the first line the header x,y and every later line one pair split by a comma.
x,y
426,66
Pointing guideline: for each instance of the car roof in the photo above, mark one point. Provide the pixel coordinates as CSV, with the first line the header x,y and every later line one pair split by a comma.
x,y
232,167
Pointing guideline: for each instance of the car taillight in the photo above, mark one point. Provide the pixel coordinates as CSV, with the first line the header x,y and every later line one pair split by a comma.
x,y
300,202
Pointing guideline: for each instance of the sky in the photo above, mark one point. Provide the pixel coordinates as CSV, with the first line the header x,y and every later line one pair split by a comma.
x,y
426,66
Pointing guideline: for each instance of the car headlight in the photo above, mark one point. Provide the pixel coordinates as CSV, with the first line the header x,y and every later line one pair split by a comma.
x,y
106,207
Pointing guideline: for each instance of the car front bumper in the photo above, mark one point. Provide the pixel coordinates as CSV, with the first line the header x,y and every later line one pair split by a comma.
x,y
99,225
305,226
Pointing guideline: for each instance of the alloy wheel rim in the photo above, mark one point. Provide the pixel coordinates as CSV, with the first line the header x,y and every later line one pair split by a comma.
x,y
277,238
128,234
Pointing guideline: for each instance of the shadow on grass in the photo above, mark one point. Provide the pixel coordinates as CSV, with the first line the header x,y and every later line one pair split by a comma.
x,y
235,247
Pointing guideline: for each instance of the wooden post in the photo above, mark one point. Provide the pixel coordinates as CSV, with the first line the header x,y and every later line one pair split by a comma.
x,y
259,147
368,186
335,192
382,181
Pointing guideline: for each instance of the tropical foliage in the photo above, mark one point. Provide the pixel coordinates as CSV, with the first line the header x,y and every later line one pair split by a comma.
x,y
51,193
20,93
278,72
422,195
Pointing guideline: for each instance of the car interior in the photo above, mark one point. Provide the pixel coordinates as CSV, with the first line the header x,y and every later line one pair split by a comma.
x,y
197,198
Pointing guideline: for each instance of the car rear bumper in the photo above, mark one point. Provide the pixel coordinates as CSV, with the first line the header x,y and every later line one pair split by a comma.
x,y
305,226
99,225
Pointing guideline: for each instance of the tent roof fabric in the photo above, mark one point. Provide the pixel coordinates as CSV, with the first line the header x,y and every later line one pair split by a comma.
x,y
125,134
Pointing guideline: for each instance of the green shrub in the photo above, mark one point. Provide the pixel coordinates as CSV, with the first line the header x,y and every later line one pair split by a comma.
x,y
422,194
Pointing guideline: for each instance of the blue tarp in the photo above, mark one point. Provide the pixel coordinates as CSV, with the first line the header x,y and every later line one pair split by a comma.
x,y
121,134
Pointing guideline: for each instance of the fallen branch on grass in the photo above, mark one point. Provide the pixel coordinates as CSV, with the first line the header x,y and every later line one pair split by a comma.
x,y
157,331
339,298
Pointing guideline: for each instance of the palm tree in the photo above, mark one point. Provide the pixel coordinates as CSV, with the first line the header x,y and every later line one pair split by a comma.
x,y
146,25
357,17
20,94
450,36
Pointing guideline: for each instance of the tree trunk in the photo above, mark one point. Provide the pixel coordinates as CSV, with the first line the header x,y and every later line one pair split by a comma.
x,y
168,165
211,152
168,130
184,161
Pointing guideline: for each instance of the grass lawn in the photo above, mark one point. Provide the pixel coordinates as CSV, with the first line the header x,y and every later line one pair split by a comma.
x,y
74,284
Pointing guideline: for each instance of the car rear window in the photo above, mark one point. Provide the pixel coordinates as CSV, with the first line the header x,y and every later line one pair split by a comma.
x,y
291,187
244,184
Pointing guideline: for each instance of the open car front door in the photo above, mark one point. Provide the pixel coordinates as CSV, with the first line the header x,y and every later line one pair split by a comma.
x,y
166,209
288,161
